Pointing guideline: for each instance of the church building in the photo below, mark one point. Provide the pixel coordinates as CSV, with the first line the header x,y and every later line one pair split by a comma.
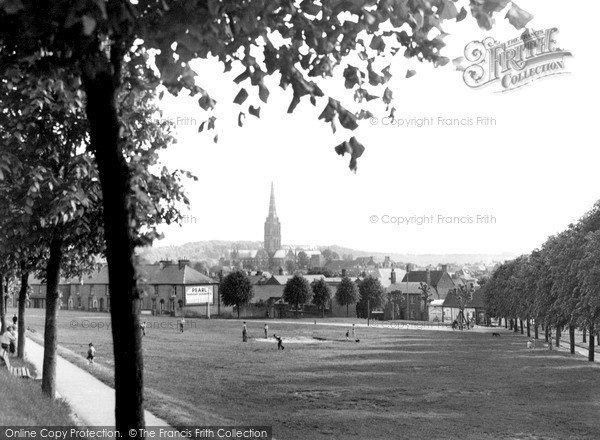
x,y
272,228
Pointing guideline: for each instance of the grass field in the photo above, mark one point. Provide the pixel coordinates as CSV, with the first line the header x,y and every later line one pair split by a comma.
x,y
411,384
22,403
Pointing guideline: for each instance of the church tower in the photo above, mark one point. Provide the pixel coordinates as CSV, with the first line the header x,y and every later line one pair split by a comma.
x,y
272,227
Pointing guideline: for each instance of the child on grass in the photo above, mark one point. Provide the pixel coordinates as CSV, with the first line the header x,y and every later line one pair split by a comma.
x,y
279,342
91,353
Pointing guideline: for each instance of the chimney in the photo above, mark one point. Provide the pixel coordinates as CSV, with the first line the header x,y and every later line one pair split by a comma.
x,y
343,273
444,268
393,276
183,263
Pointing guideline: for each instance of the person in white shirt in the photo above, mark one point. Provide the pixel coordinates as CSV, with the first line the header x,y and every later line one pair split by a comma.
x,y
91,354
5,340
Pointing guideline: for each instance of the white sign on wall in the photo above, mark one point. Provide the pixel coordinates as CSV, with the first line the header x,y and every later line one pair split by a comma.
x,y
198,295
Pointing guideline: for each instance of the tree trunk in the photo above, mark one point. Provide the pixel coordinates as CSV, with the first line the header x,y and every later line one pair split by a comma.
x,y
557,344
516,326
505,323
546,334
2,304
584,335
528,329
347,313
100,79
521,324
511,324
572,338
21,318
535,330
591,344
50,330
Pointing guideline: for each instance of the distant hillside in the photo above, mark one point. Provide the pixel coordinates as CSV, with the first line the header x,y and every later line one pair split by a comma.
x,y
211,251
424,259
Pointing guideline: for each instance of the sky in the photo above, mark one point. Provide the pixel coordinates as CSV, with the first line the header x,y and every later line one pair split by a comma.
x,y
527,176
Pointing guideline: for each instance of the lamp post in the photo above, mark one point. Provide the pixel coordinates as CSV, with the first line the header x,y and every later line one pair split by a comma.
x,y
407,273
219,293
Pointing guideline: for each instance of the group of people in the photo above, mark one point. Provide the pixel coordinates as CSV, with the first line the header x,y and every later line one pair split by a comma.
x,y
9,337
469,323
266,329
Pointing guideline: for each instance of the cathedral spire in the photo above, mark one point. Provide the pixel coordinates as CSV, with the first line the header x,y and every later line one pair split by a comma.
x,y
272,212
272,228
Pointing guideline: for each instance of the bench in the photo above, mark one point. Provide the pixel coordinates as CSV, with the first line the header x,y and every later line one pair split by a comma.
x,y
18,371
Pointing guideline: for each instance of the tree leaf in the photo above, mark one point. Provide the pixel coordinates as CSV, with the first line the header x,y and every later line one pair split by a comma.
x,y
294,103
206,102
387,96
347,119
241,77
254,111
447,10
241,97
263,93
352,147
377,43
351,76
211,123
518,17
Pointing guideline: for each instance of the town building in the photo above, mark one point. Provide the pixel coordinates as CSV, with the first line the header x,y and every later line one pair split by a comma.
x,y
166,288
439,280
272,242
474,308
273,256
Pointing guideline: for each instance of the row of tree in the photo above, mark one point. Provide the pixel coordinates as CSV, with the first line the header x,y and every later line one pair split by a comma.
x,y
51,212
556,286
368,294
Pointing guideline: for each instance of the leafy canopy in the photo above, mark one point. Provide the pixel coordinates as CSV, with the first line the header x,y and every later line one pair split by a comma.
x,y
297,291
297,43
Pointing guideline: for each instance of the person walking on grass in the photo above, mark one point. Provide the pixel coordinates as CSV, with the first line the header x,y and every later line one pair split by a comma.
x,y
143,328
15,319
181,324
244,332
266,331
353,332
91,353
